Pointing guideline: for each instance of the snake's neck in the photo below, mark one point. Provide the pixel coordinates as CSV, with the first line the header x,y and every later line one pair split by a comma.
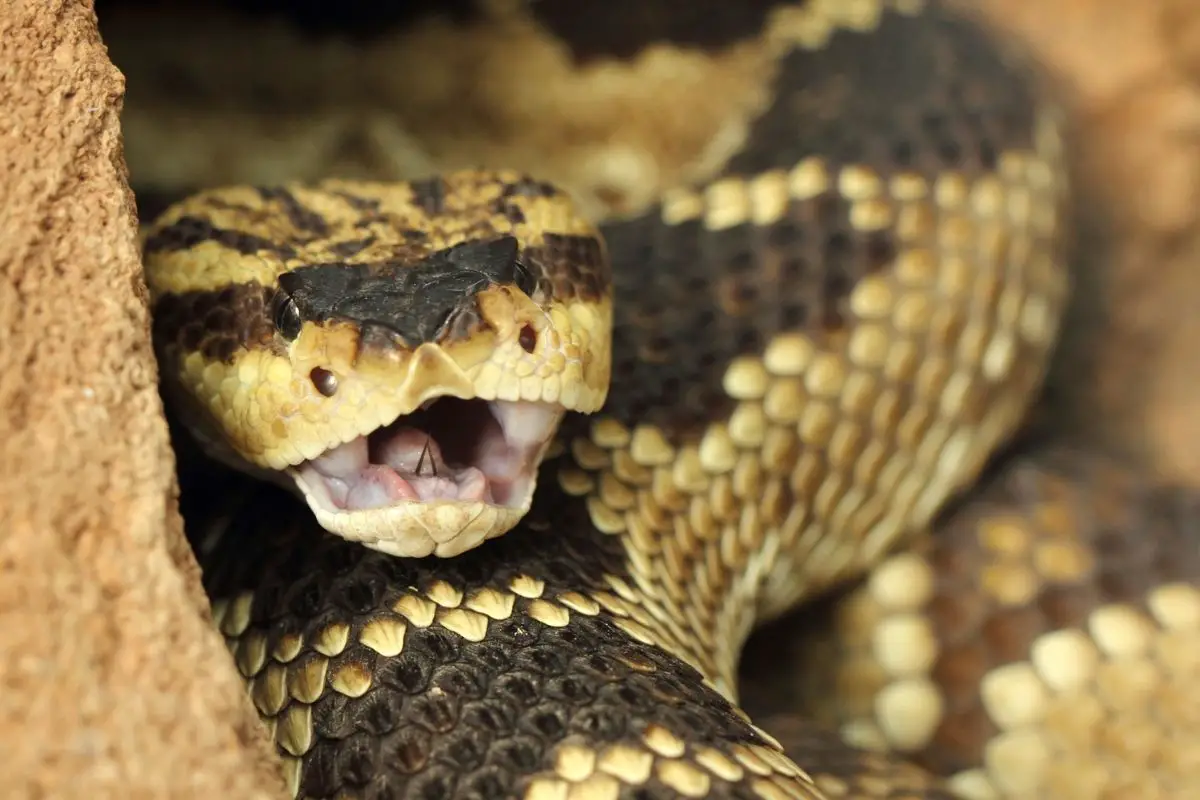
x,y
721,529
666,564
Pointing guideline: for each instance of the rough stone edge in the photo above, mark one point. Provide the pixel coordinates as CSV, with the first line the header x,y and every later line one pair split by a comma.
x,y
112,681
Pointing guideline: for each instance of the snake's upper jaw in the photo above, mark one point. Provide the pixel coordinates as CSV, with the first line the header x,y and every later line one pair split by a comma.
x,y
438,481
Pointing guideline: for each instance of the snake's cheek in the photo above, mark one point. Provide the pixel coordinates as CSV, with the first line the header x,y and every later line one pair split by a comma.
x,y
453,469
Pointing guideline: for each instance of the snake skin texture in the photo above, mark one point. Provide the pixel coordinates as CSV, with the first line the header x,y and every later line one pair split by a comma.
x,y
835,236
1042,644
1051,626
515,669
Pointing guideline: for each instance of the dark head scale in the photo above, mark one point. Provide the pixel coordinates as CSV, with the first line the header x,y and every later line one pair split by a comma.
x,y
417,302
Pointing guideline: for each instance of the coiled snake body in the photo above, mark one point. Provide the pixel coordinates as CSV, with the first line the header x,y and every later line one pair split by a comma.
x,y
818,330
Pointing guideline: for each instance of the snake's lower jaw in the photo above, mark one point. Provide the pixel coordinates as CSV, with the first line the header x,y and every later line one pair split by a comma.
x,y
437,482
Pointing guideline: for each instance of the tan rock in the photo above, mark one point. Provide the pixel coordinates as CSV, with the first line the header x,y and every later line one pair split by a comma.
x,y
112,682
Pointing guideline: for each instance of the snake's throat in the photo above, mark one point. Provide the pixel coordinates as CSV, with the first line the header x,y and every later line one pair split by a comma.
x,y
469,451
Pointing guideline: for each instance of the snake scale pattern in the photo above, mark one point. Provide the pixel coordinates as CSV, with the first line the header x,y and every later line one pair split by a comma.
x,y
577,393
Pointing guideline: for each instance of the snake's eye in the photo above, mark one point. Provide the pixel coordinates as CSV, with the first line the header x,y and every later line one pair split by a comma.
x,y
524,278
287,316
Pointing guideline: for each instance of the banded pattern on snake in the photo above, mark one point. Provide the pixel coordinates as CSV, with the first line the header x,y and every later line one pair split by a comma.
x,y
831,296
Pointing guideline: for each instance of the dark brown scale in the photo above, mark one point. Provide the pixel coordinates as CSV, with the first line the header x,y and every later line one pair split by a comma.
x,y
217,324
956,617
510,212
1066,606
187,232
1007,635
959,739
529,187
429,195
689,300
352,248
191,337
934,94
524,187
958,672
357,202
573,266
301,217
222,350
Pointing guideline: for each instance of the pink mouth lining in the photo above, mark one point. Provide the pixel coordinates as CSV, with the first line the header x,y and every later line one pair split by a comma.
x,y
458,450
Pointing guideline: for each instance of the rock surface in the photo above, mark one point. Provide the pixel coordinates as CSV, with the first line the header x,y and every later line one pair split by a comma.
x,y
112,680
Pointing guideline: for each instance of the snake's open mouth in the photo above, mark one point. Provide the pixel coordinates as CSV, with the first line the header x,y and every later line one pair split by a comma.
x,y
450,450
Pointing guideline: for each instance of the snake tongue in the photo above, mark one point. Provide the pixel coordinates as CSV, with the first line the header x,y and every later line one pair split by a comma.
x,y
378,485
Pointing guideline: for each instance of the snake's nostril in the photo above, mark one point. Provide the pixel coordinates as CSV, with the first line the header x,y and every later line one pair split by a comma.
x,y
528,338
325,381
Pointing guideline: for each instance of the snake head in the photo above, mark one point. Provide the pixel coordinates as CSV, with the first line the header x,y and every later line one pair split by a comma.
x,y
399,355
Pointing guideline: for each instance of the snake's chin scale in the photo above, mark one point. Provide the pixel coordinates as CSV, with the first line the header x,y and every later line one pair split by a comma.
x,y
436,482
